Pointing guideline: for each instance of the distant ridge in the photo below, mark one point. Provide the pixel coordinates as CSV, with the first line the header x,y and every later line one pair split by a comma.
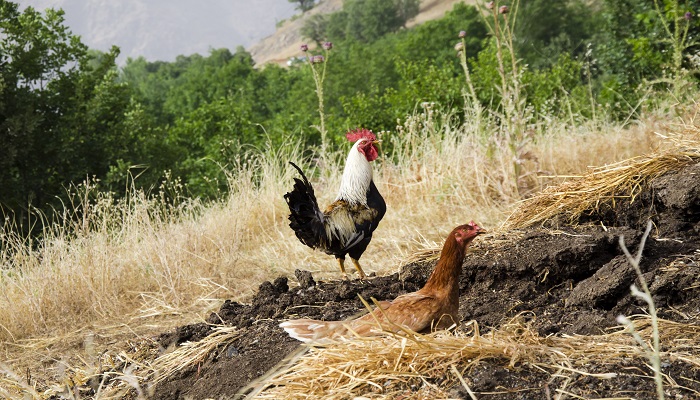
x,y
160,30
284,43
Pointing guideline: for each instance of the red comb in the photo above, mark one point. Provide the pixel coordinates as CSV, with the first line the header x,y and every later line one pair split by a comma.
x,y
360,133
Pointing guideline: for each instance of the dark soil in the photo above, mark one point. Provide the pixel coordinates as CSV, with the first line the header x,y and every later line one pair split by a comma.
x,y
573,280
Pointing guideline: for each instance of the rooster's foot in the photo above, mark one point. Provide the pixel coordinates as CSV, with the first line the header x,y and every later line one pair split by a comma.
x,y
360,272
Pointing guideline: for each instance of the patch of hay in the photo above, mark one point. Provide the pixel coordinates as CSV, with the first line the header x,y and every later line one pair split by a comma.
x,y
137,370
425,366
607,185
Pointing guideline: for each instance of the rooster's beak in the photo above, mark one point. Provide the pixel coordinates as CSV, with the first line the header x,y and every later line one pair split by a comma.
x,y
378,144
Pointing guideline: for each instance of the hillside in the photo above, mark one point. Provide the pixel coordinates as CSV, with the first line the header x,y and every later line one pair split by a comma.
x,y
160,30
539,309
167,273
285,42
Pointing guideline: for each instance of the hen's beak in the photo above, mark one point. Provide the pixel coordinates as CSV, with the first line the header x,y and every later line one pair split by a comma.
x,y
479,230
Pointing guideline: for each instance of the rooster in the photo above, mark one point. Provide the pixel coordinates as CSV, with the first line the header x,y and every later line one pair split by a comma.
x,y
433,307
346,226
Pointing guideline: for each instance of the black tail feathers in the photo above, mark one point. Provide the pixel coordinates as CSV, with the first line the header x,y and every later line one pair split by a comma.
x,y
305,217
303,192
306,181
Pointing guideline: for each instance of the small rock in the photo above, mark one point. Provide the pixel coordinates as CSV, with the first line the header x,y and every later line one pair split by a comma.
x,y
306,280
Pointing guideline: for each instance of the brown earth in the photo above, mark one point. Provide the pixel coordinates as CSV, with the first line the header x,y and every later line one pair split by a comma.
x,y
568,280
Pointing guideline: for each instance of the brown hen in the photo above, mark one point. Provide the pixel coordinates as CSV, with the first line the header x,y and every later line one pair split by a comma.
x,y
433,307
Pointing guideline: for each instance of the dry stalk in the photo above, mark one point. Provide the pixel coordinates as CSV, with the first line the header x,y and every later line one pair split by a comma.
x,y
652,352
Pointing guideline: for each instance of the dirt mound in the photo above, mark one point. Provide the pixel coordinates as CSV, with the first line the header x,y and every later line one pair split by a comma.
x,y
573,280
672,202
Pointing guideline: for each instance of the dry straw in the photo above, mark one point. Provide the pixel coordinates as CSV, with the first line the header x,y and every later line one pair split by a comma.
x,y
606,185
141,368
424,366
129,373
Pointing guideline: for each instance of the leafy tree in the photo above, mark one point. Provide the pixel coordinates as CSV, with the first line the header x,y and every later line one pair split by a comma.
x,y
303,5
336,27
434,40
362,20
407,9
546,29
169,90
207,78
369,20
315,28
637,45
61,109
385,80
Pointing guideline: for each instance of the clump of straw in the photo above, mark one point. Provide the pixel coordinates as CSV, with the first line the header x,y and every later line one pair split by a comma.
x,y
416,366
606,185
140,368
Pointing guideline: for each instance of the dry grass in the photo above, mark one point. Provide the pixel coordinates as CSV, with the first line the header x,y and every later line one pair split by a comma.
x,y
144,364
139,266
411,367
608,184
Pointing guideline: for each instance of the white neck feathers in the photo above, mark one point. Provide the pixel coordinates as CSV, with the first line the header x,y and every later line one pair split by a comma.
x,y
356,178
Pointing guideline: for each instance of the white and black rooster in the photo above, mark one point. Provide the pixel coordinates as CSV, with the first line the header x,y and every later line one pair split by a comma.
x,y
346,225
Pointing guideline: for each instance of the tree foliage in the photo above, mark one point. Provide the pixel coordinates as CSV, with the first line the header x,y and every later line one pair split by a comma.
x,y
67,113
546,29
303,5
362,20
645,42
315,28
62,110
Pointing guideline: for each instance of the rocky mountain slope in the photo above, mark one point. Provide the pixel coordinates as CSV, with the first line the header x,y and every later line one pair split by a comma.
x,y
285,42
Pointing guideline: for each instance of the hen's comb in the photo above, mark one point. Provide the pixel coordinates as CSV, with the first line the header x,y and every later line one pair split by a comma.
x,y
360,133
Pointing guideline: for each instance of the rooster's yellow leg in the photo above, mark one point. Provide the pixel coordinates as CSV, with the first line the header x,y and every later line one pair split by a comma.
x,y
359,269
341,262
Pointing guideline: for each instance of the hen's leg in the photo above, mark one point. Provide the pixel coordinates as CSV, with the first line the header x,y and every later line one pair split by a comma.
x,y
359,269
341,262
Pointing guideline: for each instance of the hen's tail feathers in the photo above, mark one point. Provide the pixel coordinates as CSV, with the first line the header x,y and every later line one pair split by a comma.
x,y
313,331
305,218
